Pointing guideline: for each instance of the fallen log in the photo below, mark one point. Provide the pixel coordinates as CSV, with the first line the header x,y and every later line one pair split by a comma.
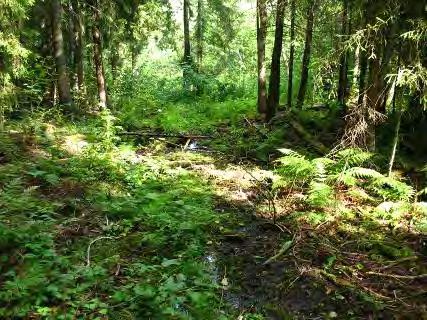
x,y
308,137
165,135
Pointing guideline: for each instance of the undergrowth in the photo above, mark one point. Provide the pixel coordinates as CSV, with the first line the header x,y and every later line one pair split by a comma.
x,y
100,232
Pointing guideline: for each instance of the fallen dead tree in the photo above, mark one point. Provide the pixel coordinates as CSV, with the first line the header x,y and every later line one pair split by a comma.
x,y
165,135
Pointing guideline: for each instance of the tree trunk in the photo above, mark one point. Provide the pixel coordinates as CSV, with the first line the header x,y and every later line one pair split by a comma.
x,y
395,143
291,55
274,85
261,37
97,56
363,65
199,34
373,92
79,54
390,44
307,53
115,62
59,54
71,45
134,55
187,46
343,79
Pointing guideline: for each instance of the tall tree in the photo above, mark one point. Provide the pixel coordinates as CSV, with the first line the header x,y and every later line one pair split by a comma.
x,y
307,54
77,15
187,61
274,85
97,54
291,54
59,54
343,71
261,38
200,34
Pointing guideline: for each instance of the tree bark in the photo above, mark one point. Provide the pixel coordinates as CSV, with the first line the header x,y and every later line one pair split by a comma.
x,y
307,54
97,56
274,85
59,54
199,35
343,79
261,37
291,55
78,38
362,65
187,46
373,92
395,143
388,51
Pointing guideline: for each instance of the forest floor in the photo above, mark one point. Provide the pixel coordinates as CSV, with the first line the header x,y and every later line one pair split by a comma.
x,y
93,228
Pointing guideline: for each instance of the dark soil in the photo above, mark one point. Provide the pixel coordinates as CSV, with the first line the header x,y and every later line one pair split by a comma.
x,y
318,278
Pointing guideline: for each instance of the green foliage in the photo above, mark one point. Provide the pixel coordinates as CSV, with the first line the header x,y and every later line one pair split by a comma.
x,y
324,177
160,218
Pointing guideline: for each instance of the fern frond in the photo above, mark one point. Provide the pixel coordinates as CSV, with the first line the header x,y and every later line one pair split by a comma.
x,y
364,173
392,189
295,168
353,156
346,178
320,173
360,194
290,152
280,184
320,194
422,192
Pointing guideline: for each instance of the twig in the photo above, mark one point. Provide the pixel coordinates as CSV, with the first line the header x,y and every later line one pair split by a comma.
x,y
285,248
90,245
398,276
412,258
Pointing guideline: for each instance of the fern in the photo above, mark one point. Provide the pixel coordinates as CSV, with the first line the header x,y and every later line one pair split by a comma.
x,y
391,189
320,175
295,167
422,192
352,157
320,194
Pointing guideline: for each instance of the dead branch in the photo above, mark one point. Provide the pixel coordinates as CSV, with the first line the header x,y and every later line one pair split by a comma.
x,y
397,276
165,135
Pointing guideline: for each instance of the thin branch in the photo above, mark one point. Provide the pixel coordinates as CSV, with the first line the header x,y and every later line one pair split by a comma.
x,y
90,245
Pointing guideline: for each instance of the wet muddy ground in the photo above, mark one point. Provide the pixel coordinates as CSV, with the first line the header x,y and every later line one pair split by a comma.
x,y
323,275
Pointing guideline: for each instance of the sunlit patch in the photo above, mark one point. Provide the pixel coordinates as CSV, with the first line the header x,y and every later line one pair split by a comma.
x,y
74,144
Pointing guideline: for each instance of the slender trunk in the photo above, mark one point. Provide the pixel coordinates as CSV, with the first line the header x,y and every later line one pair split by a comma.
x,y
199,35
97,56
373,92
79,54
307,54
356,74
59,54
342,82
187,46
261,37
291,55
395,142
274,85
115,60
362,65
385,67
134,55
71,45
